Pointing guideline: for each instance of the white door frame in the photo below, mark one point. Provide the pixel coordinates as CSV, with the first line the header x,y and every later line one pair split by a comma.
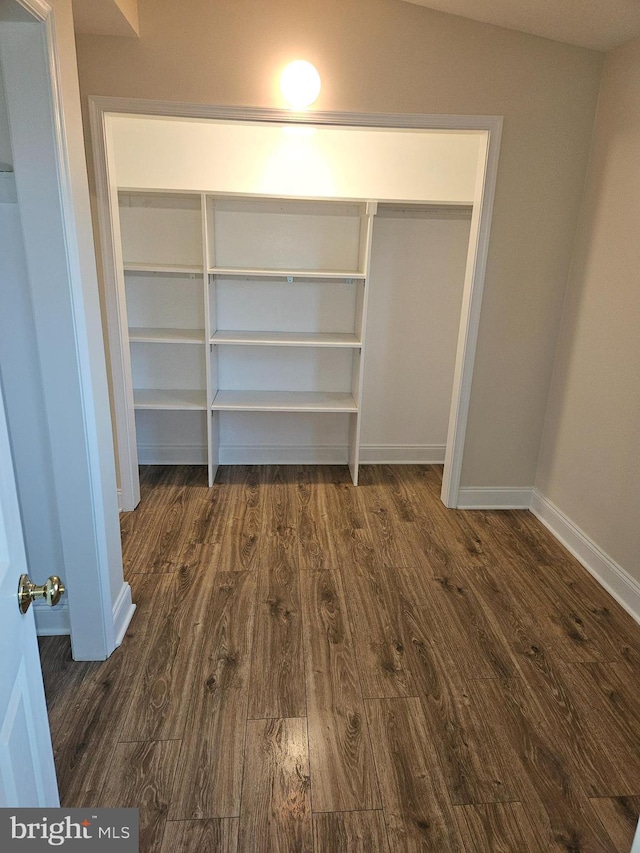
x,y
66,316
102,108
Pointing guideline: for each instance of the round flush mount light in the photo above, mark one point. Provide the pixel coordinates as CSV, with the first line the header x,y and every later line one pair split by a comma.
x,y
300,84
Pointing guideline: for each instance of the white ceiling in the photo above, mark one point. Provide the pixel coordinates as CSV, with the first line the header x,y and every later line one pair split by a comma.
x,y
598,24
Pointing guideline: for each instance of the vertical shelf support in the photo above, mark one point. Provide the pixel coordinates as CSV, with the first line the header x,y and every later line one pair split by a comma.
x,y
362,297
211,363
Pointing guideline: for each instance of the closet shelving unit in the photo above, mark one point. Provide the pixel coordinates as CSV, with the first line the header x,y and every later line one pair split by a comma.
x,y
247,304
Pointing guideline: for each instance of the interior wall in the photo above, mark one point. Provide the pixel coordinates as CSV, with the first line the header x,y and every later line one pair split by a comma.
x,y
111,17
6,157
590,455
389,56
415,296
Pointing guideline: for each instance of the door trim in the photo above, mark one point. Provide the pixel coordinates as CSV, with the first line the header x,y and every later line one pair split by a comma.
x,y
66,314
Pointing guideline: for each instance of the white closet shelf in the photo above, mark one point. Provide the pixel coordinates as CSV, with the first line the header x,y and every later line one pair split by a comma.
x,y
257,272
130,266
166,336
159,398
286,339
206,275
284,401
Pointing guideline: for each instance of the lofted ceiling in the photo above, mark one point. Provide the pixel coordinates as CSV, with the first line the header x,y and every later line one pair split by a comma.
x,y
597,24
106,17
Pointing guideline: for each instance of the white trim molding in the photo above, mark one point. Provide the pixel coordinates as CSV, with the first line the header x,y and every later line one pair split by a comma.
x,y
472,497
143,107
266,454
52,621
618,582
241,454
172,454
123,610
402,454
477,253
110,254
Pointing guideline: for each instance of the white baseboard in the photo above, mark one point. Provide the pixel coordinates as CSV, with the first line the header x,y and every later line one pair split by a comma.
x,y
236,454
123,610
51,621
473,497
617,581
54,621
402,454
172,454
265,454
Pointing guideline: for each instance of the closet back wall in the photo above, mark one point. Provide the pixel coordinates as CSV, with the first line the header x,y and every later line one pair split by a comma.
x,y
387,56
417,272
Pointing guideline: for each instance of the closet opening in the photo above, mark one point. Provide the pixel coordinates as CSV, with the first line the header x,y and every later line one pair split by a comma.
x,y
284,292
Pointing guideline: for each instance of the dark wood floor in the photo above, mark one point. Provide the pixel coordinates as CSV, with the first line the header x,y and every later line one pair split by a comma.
x,y
317,667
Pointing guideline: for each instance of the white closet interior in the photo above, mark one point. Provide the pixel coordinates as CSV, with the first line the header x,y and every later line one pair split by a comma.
x,y
247,323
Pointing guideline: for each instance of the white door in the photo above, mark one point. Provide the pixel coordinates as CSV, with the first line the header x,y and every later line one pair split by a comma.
x,y
27,772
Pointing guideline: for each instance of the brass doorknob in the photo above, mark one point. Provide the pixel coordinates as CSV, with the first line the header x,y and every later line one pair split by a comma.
x,y
51,591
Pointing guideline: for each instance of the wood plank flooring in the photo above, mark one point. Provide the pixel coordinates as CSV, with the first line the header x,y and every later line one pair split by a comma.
x,y
315,667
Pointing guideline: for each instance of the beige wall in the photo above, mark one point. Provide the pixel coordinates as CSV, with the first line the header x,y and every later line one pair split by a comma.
x,y
389,56
590,456
6,156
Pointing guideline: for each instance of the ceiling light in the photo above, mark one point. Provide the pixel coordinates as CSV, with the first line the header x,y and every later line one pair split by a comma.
x,y
300,84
